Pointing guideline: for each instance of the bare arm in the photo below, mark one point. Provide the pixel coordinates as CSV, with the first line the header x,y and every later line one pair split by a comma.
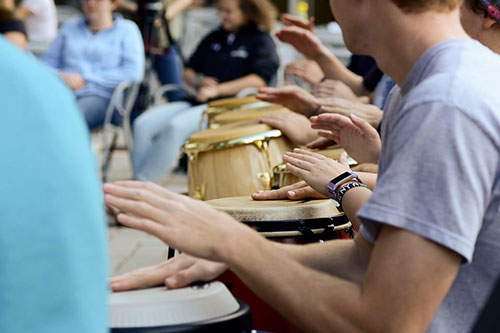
x,y
176,7
22,12
127,5
189,76
405,281
335,70
234,86
406,278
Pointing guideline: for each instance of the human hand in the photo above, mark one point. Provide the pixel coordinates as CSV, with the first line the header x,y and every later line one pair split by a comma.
x,y
317,170
294,126
207,92
304,41
74,80
181,222
335,89
358,138
308,70
320,143
291,97
290,20
177,272
208,81
344,107
297,191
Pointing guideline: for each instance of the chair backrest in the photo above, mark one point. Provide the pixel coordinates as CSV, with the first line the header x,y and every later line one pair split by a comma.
x,y
123,100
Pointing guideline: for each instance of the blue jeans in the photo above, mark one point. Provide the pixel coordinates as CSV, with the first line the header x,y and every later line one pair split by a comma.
x,y
169,69
94,108
159,134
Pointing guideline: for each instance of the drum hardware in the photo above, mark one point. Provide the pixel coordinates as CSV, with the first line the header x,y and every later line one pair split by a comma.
x,y
265,179
258,173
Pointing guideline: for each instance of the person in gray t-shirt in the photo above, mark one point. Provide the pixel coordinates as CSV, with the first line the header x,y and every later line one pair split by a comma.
x,y
425,256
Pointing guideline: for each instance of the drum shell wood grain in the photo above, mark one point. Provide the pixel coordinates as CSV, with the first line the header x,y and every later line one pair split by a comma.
x,y
235,171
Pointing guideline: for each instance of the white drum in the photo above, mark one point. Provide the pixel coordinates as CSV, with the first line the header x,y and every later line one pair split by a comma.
x,y
207,307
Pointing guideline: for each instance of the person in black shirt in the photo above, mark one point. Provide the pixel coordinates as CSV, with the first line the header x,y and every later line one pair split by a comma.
x,y
240,54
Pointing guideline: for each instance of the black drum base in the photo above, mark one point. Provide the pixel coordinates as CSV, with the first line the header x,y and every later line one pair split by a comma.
x,y
236,322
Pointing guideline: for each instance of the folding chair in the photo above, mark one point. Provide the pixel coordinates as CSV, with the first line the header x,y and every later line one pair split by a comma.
x,y
122,100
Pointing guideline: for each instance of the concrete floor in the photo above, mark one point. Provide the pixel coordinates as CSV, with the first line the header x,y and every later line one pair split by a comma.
x,y
131,249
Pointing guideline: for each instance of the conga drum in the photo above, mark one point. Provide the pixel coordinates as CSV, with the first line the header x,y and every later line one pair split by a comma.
x,y
284,221
244,114
207,307
283,177
233,160
219,106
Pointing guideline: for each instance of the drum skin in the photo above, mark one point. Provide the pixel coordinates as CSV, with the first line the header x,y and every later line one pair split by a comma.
x,y
238,322
279,212
235,171
244,114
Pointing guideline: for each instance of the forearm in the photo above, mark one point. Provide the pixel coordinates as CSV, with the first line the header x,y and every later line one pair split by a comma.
x,y
176,7
352,202
189,76
368,178
346,259
22,12
335,70
281,283
235,86
127,5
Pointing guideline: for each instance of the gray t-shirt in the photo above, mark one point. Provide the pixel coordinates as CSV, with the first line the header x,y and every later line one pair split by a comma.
x,y
439,169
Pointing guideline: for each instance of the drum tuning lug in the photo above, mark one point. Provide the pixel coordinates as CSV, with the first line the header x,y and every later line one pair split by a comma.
x,y
265,180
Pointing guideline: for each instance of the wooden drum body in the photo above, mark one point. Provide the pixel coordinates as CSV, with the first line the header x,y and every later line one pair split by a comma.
x,y
233,160
220,106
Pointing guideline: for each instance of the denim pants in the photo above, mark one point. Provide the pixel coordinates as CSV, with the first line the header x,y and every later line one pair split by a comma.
x,y
169,69
94,108
158,136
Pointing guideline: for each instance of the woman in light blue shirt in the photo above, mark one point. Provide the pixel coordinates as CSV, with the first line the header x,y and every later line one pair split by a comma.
x,y
94,54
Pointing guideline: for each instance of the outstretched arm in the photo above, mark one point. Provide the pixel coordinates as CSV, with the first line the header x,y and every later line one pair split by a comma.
x,y
405,280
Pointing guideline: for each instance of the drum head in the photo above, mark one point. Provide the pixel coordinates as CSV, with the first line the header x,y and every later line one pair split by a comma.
x,y
247,209
247,114
157,307
279,217
232,102
239,321
229,132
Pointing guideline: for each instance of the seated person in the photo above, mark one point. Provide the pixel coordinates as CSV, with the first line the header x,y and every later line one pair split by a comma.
x,y
240,54
11,27
40,18
96,53
53,241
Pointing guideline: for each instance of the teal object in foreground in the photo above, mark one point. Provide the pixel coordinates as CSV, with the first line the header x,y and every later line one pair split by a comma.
x,y
53,256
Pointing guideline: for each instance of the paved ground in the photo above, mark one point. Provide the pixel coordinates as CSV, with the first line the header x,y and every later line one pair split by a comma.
x,y
130,249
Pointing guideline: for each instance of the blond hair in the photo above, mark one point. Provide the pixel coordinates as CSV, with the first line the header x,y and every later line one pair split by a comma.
x,y
419,6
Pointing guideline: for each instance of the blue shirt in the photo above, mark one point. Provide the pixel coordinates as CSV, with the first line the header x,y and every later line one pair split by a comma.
x,y
439,170
104,59
53,254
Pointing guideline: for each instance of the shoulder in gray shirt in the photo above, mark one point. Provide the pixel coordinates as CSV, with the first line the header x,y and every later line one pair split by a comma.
x,y
439,170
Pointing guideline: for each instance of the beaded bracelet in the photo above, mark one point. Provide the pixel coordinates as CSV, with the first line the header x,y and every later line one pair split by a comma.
x,y
346,188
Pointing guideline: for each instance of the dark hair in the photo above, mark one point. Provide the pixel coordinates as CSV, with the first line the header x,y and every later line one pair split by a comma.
x,y
419,6
476,6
